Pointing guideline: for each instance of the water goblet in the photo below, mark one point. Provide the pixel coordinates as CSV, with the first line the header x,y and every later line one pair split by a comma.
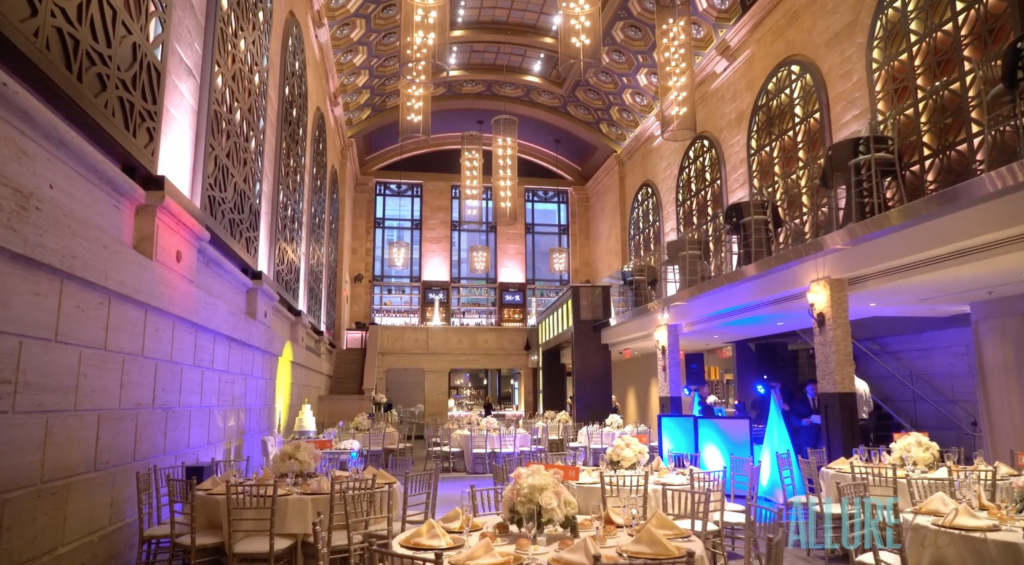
x,y
908,460
468,510
949,458
670,462
290,480
530,528
597,516
979,457
862,453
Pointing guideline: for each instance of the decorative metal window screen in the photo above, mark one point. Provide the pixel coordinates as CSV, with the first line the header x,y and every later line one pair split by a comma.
x,y
291,164
331,251
700,202
786,150
397,217
645,227
923,64
466,235
317,221
547,227
236,122
107,56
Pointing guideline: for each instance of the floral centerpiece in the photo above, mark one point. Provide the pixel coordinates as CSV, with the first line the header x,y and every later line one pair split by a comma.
x,y
534,488
1017,484
490,423
361,423
297,457
922,451
627,453
563,417
613,422
549,415
379,400
349,445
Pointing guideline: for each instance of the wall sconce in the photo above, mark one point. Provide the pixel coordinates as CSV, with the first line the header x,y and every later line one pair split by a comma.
x,y
817,298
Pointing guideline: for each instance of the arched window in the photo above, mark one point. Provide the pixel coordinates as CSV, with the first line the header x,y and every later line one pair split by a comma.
x,y
645,226
236,118
924,60
291,164
317,221
786,148
333,228
700,201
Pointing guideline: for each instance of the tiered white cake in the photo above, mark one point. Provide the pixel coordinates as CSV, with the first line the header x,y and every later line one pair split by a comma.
x,y
305,423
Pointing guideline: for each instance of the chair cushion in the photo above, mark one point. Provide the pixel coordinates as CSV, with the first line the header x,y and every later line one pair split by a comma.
x,y
698,525
731,518
734,507
884,558
340,538
833,508
801,498
260,545
482,450
161,531
204,538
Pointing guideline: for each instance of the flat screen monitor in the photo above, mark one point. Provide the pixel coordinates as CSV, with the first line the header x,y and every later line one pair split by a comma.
x,y
676,433
718,438
512,297
439,293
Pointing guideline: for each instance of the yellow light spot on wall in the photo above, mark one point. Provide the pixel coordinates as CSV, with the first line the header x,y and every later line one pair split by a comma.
x,y
283,386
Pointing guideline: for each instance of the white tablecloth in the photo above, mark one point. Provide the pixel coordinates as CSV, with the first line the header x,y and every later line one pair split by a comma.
x,y
508,414
551,540
608,435
390,438
461,439
589,494
831,479
932,545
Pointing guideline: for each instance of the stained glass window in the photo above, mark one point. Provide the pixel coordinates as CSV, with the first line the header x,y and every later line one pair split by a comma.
x,y
291,164
467,235
786,150
645,226
700,201
331,247
236,119
926,58
317,222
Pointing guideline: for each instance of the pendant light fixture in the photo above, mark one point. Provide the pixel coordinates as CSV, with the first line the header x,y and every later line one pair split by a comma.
x,y
471,188
505,169
558,260
579,38
479,259
398,255
424,45
675,69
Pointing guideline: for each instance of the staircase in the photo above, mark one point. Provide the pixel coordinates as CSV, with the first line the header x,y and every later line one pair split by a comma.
x,y
348,369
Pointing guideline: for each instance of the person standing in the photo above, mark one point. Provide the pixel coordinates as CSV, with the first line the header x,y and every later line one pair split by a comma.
x,y
615,406
865,407
488,407
806,417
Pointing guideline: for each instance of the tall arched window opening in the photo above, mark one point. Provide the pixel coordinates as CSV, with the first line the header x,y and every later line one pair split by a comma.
x,y
699,205
789,132
645,227
317,222
331,247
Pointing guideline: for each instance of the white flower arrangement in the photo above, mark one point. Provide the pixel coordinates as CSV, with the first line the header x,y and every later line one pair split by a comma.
x,y
550,415
418,409
923,451
379,398
627,453
613,422
563,417
536,488
711,400
349,445
473,420
490,423
361,423
297,457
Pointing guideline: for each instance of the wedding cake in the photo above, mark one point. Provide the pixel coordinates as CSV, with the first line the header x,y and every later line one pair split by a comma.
x,y
305,423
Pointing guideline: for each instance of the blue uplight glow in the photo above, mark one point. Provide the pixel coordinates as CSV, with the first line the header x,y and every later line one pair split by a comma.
x,y
776,440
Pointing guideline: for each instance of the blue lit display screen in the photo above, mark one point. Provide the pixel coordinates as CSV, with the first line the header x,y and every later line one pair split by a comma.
x,y
676,433
512,297
718,438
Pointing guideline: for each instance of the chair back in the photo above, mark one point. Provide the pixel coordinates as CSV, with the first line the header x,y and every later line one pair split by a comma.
x,y
921,488
714,483
379,554
240,467
499,475
268,445
333,461
146,500
882,480
616,489
478,439
740,477
557,458
985,479
763,524
512,462
252,511
786,475
420,496
690,505
160,477
681,460
320,545
375,439
819,456
368,513
890,528
486,501
776,550
181,505
810,477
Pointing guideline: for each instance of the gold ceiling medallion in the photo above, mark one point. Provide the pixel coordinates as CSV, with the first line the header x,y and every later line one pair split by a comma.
x,y
424,47
675,69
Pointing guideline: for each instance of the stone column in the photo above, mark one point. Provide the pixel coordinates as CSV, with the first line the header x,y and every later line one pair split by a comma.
x,y
833,353
670,377
998,328
435,394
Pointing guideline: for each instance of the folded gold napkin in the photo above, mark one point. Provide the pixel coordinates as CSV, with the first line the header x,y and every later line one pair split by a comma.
x,y
614,516
266,477
482,553
650,543
227,476
663,525
320,485
940,473
429,535
1004,470
964,518
580,553
657,464
841,464
454,521
938,504
983,502
220,489
383,477
341,474
210,484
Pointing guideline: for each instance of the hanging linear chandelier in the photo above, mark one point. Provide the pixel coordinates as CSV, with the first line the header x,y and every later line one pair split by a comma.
x,y
424,37
579,38
505,169
471,189
675,69
479,259
398,255
558,260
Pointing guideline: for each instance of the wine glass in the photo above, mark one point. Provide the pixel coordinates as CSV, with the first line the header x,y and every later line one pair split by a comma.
x,y
632,512
468,510
597,516
290,479
530,527
979,458
949,457
602,461
908,459
670,462
862,453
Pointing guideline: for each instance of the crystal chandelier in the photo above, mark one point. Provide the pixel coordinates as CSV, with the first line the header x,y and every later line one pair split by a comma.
x,y
579,38
479,259
675,69
471,189
398,255
505,174
558,260
424,36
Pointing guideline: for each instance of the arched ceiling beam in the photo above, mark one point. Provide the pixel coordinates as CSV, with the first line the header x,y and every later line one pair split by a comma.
x,y
517,37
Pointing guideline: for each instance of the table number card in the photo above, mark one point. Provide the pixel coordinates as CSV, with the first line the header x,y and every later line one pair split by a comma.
x,y
569,472
644,439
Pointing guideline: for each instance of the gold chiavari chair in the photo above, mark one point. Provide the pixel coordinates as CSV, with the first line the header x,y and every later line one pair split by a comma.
x,y
763,525
691,508
734,523
192,544
420,500
337,532
921,488
332,461
623,487
740,480
479,449
320,546
375,445
513,462
681,460
882,481
776,550
379,554
240,467
252,519
154,538
160,477
984,478
499,475
486,501
890,527
819,456
369,516
596,446
823,512
789,485
853,498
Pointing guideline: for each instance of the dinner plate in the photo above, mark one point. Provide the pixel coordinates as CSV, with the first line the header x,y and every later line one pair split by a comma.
x,y
681,551
686,534
537,550
993,528
457,542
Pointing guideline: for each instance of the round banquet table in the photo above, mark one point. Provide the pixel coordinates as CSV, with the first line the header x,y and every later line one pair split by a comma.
x,y
461,439
551,540
830,479
608,435
931,545
295,512
390,438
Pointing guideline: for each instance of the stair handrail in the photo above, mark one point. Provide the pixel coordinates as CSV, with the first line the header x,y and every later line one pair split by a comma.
x,y
906,426
911,387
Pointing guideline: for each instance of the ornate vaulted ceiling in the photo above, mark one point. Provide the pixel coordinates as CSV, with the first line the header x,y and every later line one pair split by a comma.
x,y
504,59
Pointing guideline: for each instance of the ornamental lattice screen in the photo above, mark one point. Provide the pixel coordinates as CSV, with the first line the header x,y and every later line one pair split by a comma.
x,y
700,201
786,148
107,56
645,226
333,228
924,58
291,164
236,122
317,222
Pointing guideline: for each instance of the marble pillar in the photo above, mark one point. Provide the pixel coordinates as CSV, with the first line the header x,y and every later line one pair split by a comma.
x,y
670,377
998,329
833,353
